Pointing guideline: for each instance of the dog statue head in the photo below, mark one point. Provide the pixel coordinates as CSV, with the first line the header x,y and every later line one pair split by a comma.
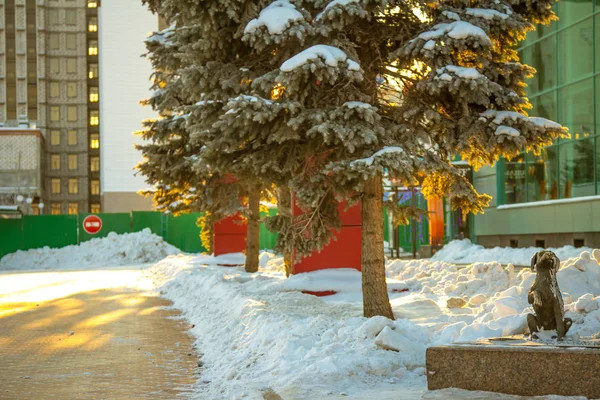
x,y
545,259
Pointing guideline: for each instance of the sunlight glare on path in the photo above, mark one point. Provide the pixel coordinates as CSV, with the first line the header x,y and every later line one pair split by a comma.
x,y
29,287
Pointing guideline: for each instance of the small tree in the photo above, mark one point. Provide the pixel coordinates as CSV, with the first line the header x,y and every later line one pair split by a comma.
x,y
195,75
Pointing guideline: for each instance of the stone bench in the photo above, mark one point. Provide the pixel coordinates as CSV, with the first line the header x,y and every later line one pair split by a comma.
x,y
517,370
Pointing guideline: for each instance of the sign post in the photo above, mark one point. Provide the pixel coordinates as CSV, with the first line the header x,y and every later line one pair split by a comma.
x,y
92,224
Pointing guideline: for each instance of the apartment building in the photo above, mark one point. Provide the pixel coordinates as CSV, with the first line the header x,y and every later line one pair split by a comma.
x,y
49,82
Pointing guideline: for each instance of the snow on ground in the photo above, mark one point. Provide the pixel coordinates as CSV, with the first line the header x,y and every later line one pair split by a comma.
x,y
465,252
130,248
258,332
301,346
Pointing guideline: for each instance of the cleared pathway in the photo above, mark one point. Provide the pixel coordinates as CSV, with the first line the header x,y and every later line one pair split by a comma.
x,y
64,336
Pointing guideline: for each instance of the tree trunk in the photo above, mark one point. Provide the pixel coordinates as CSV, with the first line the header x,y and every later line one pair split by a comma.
x,y
253,238
374,287
284,208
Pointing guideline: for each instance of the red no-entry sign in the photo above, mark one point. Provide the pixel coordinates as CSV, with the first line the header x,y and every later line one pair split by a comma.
x,y
92,224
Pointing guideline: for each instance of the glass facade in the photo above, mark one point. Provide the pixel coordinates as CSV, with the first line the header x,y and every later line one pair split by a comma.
x,y
565,89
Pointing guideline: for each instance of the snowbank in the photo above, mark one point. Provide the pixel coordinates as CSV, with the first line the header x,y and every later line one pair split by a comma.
x,y
130,248
258,331
465,252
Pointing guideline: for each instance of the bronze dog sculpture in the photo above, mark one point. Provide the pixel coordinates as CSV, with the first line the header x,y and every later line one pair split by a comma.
x,y
546,297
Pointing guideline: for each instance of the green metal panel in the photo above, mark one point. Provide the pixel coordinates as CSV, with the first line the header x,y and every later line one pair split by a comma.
x,y
386,227
268,239
146,219
111,222
49,230
183,233
11,236
421,226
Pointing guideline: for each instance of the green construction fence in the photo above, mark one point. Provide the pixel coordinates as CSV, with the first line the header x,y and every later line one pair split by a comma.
x,y
55,231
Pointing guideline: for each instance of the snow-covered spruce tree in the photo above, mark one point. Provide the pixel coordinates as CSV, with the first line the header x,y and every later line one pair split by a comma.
x,y
172,152
394,87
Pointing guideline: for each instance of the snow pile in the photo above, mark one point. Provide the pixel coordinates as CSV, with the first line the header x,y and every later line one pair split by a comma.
x,y
257,331
338,280
465,252
130,248
330,55
255,337
278,16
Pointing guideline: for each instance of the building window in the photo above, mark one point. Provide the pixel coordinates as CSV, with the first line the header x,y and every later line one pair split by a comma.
x,y
73,208
55,162
54,41
71,41
95,187
94,164
54,138
94,95
582,34
94,118
93,48
94,141
52,16
73,186
92,3
70,16
71,89
72,159
93,71
54,66
72,137
55,113
71,65
55,183
55,209
93,24
54,89
95,208
72,113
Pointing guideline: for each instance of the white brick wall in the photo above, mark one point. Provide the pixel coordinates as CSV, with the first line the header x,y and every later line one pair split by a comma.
x,y
124,81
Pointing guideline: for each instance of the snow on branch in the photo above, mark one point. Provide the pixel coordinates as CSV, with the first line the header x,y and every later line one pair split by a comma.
x,y
500,117
461,72
357,104
485,13
330,55
456,30
339,4
369,160
161,37
276,17
506,130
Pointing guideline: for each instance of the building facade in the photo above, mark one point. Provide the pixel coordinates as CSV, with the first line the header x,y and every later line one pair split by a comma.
x,y
49,82
124,81
22,168
553,199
